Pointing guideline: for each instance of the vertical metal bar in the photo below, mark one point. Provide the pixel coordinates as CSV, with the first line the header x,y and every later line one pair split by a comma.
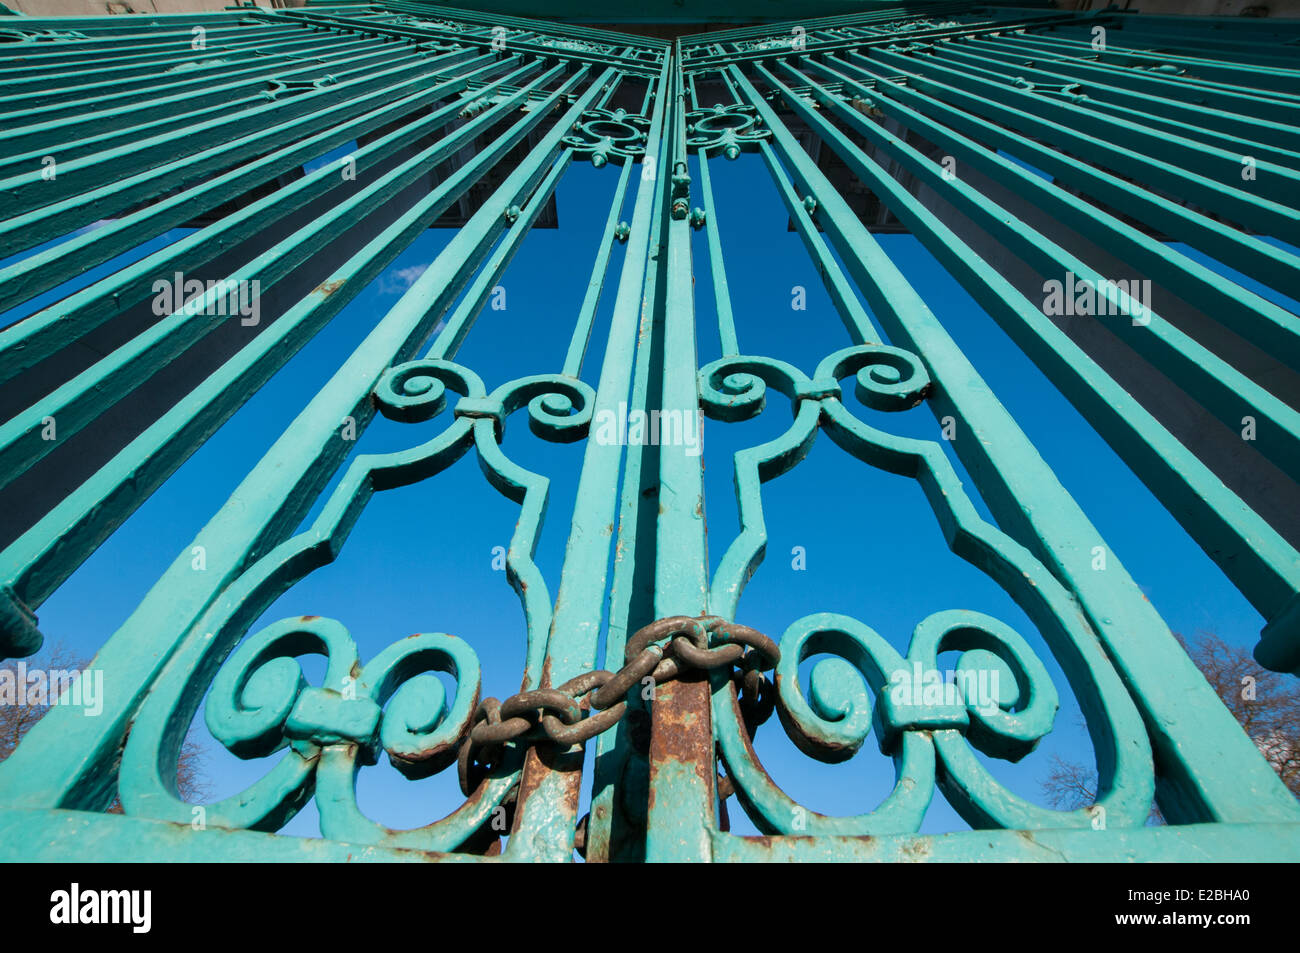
x,y
1245,253
573,358
721,293
45,270
620,778
1195,740
1128,148
1260,563
549,789
680,815
269,502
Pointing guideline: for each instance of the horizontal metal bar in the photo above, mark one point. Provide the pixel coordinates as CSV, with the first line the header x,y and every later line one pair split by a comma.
x,y
65,836
1184,843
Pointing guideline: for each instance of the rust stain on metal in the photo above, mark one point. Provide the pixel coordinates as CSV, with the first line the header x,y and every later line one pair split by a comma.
x,y
771,842
530,780
917,849
540,764
327,288
682,731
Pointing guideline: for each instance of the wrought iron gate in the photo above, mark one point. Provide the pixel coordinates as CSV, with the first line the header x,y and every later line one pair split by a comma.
x,y
213,117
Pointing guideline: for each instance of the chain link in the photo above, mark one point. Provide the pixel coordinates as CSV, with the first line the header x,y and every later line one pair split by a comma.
x,y
593,702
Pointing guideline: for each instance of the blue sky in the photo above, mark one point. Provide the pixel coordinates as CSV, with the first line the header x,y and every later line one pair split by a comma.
x,y
420,559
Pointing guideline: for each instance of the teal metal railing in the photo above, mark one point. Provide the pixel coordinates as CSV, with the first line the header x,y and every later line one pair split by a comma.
x,y
307,148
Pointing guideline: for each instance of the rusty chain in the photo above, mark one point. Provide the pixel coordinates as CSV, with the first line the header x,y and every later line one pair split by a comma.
x,y
593,702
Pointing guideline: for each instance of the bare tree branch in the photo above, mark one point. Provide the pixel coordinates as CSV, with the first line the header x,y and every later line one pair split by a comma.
x,y
17,719
1266,704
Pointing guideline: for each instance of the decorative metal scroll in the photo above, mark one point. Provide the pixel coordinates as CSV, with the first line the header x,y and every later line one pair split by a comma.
x,y
453,113
833,722
602,135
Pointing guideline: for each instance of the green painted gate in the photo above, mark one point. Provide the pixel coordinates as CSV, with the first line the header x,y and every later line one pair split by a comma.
x,y
137,125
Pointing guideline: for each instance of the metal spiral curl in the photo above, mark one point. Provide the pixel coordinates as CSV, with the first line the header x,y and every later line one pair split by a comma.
x,y
887,378
260,701
837,716
417,390
734,388
559,407
257,691
420,730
